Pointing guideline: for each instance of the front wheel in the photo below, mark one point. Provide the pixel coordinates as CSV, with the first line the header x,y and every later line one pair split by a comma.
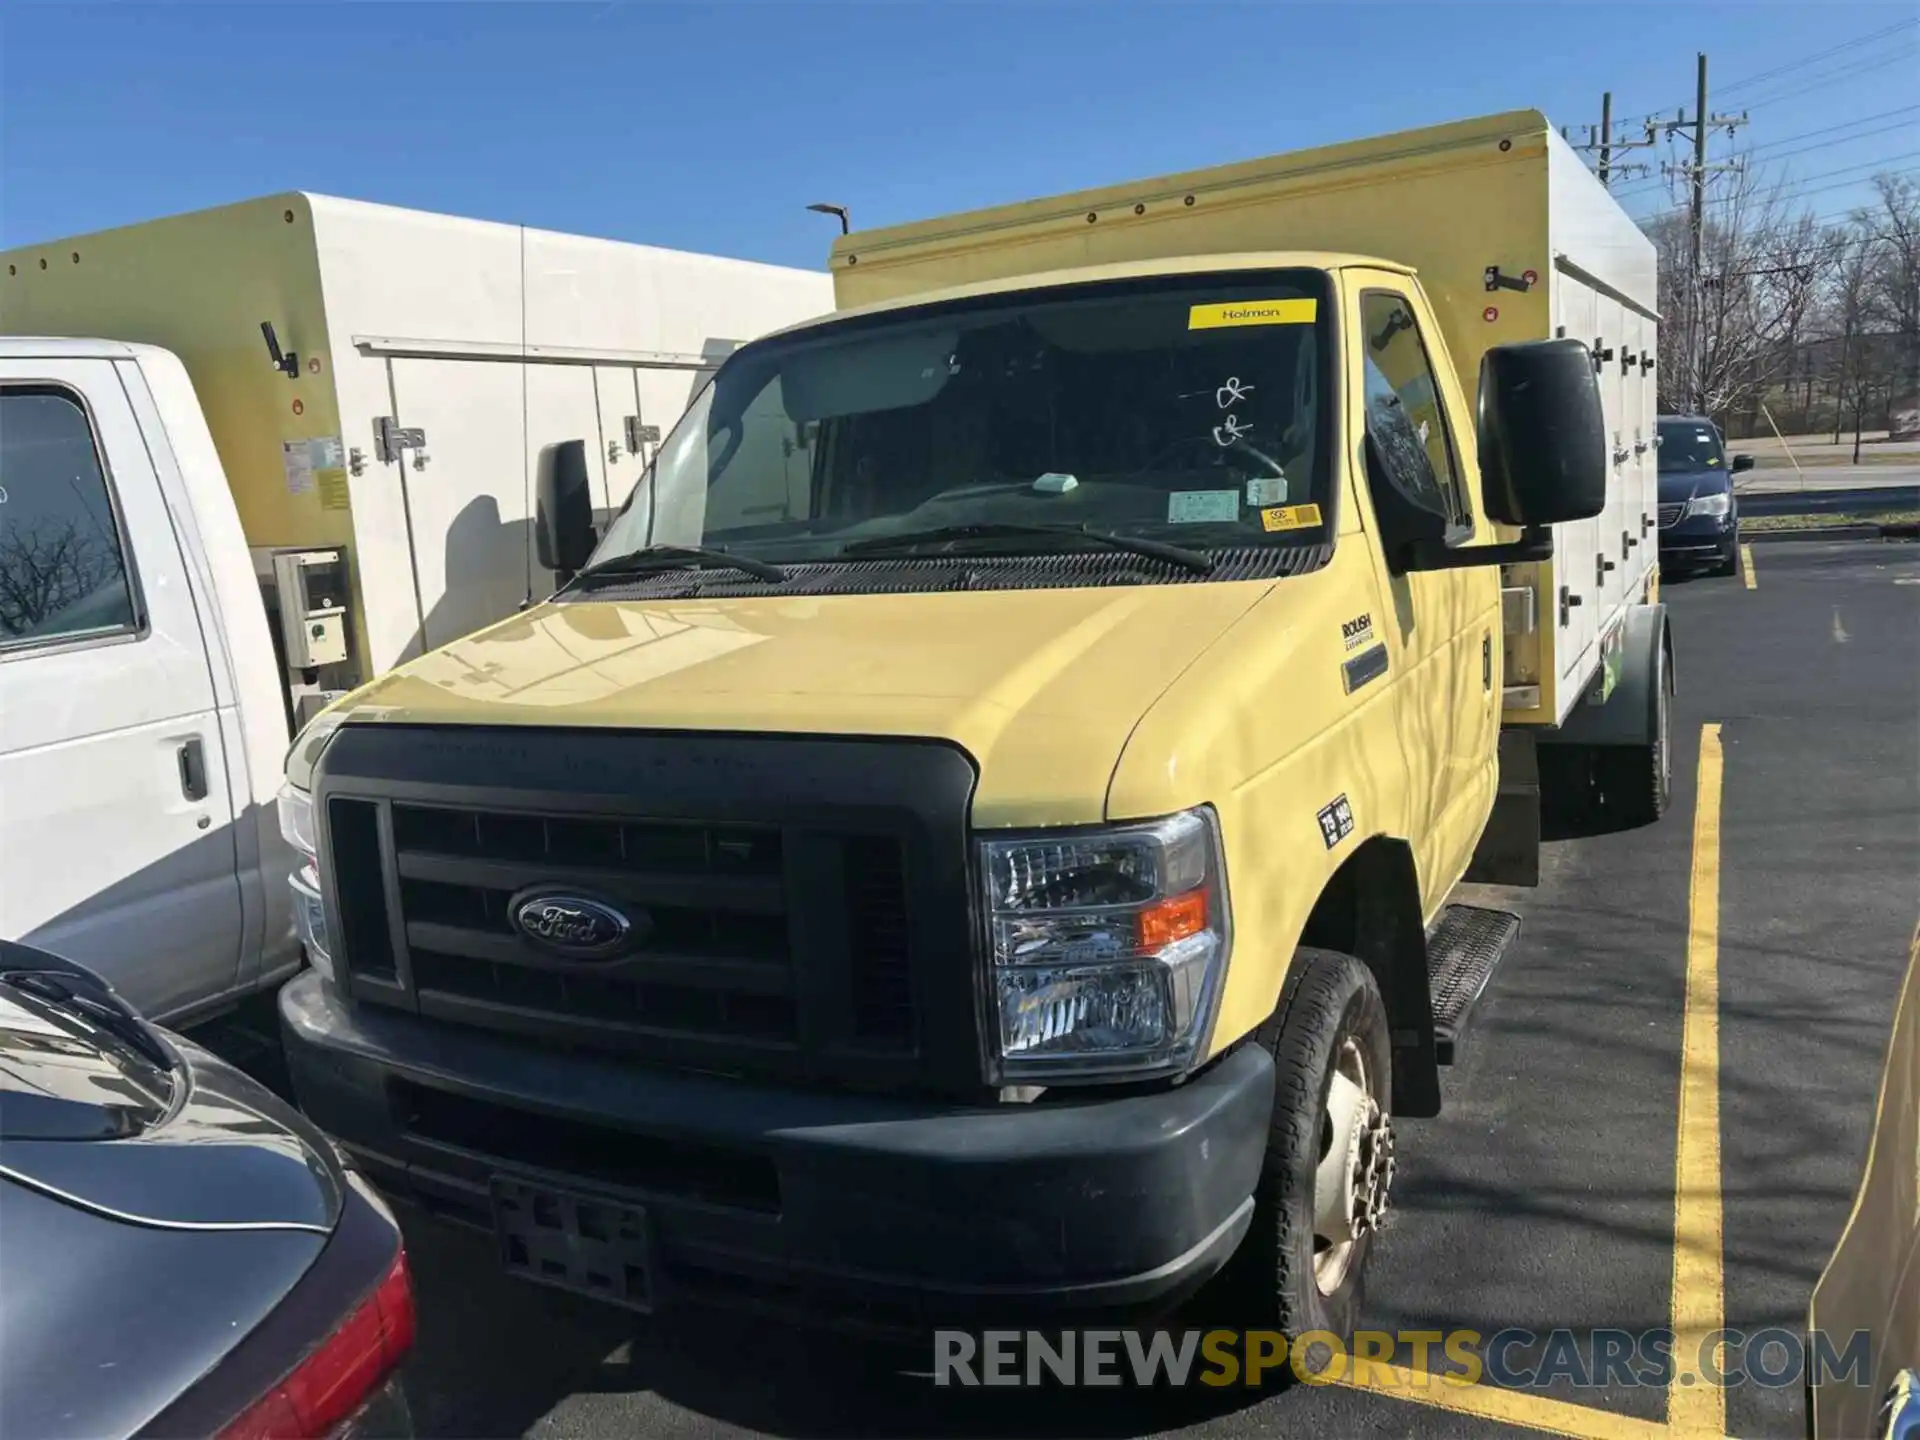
x,y
1329,1160
1636,781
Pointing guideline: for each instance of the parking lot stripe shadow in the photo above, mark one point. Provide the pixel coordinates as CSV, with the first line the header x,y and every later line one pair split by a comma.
x,y
1511,1407
1699,1279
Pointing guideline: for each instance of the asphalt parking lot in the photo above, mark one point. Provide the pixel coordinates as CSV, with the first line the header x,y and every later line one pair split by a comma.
x,y
1566,1185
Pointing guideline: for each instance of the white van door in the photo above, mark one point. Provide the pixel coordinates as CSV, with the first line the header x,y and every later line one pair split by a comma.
x,y
116,819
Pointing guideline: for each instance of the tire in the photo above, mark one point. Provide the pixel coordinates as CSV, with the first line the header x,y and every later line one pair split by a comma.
x,y
1283,1276
1636,781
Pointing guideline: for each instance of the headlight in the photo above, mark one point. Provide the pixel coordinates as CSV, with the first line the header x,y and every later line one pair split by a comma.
x,y
1715,505
304,754
309,909
296,820
1108,948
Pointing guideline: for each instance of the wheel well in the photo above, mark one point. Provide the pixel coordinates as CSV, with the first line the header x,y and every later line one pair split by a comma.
x,y
1370,910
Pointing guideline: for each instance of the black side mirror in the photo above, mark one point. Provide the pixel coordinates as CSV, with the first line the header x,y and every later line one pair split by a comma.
x,y
1543,434
1742,462
563,535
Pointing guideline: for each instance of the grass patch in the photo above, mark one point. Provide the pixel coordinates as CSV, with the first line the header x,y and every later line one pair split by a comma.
x,y
1823,520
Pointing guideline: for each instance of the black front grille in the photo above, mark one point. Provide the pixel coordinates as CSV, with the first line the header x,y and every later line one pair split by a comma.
x,y
798,940
1670,514
713,958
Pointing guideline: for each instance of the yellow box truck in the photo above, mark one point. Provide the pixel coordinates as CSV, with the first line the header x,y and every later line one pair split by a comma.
x,y
976,834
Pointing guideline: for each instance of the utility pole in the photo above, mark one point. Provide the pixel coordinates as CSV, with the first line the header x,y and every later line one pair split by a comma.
x,y
1698,378
1703,122
1606,137
1601,142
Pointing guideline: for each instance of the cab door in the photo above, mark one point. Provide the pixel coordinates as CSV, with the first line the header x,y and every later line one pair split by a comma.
x,y
1442,634
116,820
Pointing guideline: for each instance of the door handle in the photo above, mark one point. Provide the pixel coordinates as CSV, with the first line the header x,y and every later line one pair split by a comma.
x,y
193,769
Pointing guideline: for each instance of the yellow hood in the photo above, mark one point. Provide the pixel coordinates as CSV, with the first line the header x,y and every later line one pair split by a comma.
x,y
1041,687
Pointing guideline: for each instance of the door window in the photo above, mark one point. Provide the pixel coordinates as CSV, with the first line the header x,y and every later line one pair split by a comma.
x,y
63,567
1403,406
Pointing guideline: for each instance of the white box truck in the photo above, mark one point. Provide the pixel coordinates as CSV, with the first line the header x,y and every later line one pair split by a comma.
x,y
377,390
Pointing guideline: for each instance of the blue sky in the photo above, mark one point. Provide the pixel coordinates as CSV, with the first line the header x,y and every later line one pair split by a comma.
x,y
710,127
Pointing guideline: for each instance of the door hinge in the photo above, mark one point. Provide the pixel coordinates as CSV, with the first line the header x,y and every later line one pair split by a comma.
x,y
1567,601
390,439
1486,662
638,434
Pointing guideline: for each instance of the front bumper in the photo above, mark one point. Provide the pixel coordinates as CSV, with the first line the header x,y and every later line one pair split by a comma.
x,y
1699,538
880,1211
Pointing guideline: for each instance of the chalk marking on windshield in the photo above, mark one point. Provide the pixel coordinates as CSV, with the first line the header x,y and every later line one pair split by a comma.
x,y
1229,431
1231,393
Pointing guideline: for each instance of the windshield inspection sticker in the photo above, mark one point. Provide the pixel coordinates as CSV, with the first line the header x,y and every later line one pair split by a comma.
x,y
1290,517
1252,312
1336,821
1267,490
1187,507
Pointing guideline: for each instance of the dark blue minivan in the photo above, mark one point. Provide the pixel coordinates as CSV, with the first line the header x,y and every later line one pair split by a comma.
x,y
1699,515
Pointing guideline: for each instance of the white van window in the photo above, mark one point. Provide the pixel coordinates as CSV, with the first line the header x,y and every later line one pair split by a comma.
x,y
63,570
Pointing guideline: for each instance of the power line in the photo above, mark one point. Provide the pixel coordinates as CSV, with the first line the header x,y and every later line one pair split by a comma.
x,y
1829,144
1789,190
1835,77
1798,64
1815,59
1799,192
1843,125
1648,188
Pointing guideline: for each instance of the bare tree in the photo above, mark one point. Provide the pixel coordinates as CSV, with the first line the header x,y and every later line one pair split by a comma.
x,y
1731,330
1893,289
1852,288
48,565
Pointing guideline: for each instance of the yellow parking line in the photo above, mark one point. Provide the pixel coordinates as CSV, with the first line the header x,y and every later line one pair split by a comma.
x,y
1694,1406
1511,1407
1699,1282
1746,565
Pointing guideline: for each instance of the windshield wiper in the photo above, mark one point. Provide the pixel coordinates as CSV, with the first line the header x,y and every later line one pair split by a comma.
x,y
656,558
74,999
1152,549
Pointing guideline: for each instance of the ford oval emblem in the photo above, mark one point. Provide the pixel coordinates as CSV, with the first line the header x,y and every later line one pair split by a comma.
x,y
576,926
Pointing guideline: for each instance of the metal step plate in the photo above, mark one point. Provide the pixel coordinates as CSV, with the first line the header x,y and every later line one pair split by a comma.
x,y
1464,946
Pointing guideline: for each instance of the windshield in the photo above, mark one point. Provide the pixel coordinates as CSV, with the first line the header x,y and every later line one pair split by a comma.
x,y
1690,445
1192,410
